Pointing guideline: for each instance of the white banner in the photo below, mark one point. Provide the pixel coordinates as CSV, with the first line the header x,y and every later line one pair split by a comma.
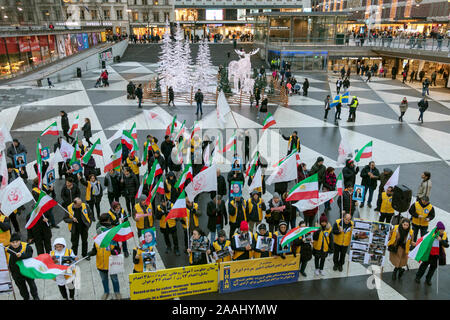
x,y
66,150
5,137
309,204
14,195
203,182
287,171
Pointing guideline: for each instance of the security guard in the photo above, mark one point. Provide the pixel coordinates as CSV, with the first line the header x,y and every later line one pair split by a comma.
x,y
143,215
422,213
294,142
342,233
168,227
321,244
236,211
192,219
255,208
385,205
222,244
78,218
134,164
242,252
22,251
263,236
352,112
5,230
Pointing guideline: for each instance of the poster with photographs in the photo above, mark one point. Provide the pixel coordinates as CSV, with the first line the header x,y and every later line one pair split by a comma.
x,y
200,245
264,243
50,176
285,249
149,261
225,252
20,160
358,192
242,240
236,189
369,242
45,153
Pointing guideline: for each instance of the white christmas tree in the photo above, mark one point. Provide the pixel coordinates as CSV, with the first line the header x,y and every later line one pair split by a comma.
x,y
166,60
181,66
205,77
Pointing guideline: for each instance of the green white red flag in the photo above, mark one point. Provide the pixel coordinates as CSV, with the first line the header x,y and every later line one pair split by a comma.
x,y
196,128
269,121
116,159
340,184
154,172
424,247
179,208
158,188
365,152
295,234
133,131
141,186
74,125
171,127
231,144
128,140
187,174
39,162
41,267
305,189
251,169
119,233
96,148
43,204
51,130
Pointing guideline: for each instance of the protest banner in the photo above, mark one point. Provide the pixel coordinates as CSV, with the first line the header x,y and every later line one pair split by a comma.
x,y
5,280
257,273
174,282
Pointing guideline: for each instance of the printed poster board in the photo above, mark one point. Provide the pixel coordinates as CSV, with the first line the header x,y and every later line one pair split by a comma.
x,y
5,280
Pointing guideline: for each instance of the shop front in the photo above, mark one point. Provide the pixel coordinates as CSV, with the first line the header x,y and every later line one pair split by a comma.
x,y
148,30
302,60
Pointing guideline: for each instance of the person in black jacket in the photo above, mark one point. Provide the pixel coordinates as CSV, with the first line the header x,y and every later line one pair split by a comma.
x,y
370,176
129,186
221,186
305,249
87,131
139,94
69,192
166,148
235,175
157,156
290,212
171,97
56,146
217,216
199,99
112,183
23,251
349,204
305,87
320,169
41,233
65,126
349,172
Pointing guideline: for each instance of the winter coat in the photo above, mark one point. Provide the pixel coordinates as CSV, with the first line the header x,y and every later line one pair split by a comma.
x,y
349,203
330,181
320,170
198,97
87,130
424,189
349,173
368,181
13,151
139,92
130,185
65,123
67,195
213,211
403,106
112,183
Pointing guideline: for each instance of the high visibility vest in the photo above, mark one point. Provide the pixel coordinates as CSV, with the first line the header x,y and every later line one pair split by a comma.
x,y
67,253
423,214
297,145
218,247
237,254
83,210
139,267
89,191
343,238
113,215
259,208
386,203
323,241
171,223
185,220
102,257
5,236
394,237
255,254
354,104
133,164
22,250
140,222
233,218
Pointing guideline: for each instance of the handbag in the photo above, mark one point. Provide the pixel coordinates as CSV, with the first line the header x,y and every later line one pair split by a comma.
x,y
116,264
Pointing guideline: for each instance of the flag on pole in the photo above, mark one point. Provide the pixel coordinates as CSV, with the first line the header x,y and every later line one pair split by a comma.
x,y
39,162
116,159
75,153
14,195
3,170
158,188
344,151
256,181
207,156
284,158
5,137
196,128
345,97
204,181
119,233
231,144
393,180
74,125
66,150
41,267
336,101
179,208
171,127
51,130
116,135
128,140
96,148
365,152
269,121
187,174
309,204
43,204
181,131
251,169
305,189
296,233
133,131
141,186
285,171
340,184
154,172
424,245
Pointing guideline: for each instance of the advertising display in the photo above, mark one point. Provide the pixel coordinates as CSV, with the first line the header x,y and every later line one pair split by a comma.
x,y
214,14
85,41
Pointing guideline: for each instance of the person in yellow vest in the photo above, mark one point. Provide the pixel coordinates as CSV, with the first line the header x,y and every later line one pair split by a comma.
x,y
192,216
400,242
171,192
255,209
102,259
342,234
119,216
221,248
143,215
134,164
236,212
321,244
302,245
63,256
385,204
79,218
352,109
40,233
241,243
262,242
94,193
277,236
199,247
294,142
144,255
22,251
422,213
5,230
169,227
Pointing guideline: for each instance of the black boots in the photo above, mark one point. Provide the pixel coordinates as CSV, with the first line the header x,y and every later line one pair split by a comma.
x,y
400,273
394,274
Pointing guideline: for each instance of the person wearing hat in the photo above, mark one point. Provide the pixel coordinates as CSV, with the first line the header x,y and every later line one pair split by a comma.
x,y
321,244
437,255
261,239
217,216
220,245
349,172
169,227
342,234
118,216
400,242
255,208
241,243
422,213
236,212
277,235
293,142
345,202
143,215
320,169
352,111
303,247
62,255
275,211
22,251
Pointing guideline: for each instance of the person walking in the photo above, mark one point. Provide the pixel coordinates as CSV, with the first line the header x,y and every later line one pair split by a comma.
x,y
412,76
139,95
425,186
403,107
400,242
321,244
79,218
87,132
342,234
352,111
327,106
370,176
433,78
422,213
305,87
423,106
337,115
171,97
437,255
199,99
338,85
65,126
426,87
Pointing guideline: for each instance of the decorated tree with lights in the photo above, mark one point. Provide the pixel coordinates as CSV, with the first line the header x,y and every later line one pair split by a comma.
x,y
182,59
204,76
166,69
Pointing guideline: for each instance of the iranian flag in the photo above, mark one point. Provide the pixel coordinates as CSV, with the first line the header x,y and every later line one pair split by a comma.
x,y
154,172
74,125
51,130
116,159
284,158
39,162
424,246
181,131
179,208
128,140
365,152
43,204
340,184
187,174
141,186
285,171
76,154
231,144
305,189
171,127
196,128
269,121
251,169
133,131
295,234
119,233
159,188
41,267
96,148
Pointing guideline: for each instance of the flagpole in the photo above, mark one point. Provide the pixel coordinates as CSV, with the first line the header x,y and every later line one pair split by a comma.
x,y
8,249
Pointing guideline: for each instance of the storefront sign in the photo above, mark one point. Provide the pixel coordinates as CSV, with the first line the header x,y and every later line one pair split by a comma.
x,y
257,273
279,28
175,282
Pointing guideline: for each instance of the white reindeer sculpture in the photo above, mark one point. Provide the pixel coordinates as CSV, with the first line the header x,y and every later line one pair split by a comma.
x,y
241,70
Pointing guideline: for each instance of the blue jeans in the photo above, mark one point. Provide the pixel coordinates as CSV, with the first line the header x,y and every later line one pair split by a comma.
x,y
199,106
140,101
425,90
370,190
421,115
105,282
213,233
